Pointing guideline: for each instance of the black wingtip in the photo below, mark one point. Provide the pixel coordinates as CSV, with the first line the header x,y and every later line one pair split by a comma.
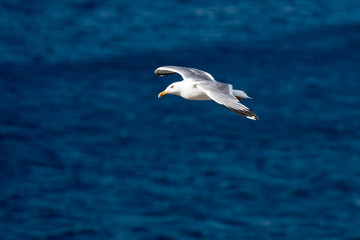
x,y
248,113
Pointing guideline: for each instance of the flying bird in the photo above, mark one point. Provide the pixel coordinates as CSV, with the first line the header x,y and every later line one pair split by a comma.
x,y
200,85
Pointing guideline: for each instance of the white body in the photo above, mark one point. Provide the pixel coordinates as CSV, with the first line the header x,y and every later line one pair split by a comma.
x,y
191,92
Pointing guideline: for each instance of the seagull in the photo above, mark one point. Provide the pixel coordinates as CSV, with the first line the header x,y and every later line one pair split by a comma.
x,y
200,85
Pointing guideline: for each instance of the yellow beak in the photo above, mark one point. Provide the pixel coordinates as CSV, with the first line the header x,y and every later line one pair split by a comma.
x,y
162,94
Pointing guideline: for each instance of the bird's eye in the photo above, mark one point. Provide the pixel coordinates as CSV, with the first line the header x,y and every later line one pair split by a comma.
x,y
172,87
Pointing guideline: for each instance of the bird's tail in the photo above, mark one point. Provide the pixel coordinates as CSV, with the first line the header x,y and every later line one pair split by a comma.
x,y
239,94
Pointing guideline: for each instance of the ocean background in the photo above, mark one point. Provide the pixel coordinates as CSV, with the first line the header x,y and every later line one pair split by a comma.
x,y
88,151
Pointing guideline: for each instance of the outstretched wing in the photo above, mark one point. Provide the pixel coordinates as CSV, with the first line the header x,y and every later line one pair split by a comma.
x,y
185,72
222,94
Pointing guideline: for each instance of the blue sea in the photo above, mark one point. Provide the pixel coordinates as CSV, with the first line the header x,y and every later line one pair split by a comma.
x,y
88,151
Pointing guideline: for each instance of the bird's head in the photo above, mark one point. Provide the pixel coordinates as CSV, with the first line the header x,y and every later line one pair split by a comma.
x,y
174,88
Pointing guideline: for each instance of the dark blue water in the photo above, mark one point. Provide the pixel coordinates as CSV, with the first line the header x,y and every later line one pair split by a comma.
x,y
88,151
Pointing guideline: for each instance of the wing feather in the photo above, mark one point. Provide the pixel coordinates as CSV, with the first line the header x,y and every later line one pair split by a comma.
x,y
222,94
185,72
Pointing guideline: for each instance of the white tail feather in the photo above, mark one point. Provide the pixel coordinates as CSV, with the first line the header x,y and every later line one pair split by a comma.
x,y
241,94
